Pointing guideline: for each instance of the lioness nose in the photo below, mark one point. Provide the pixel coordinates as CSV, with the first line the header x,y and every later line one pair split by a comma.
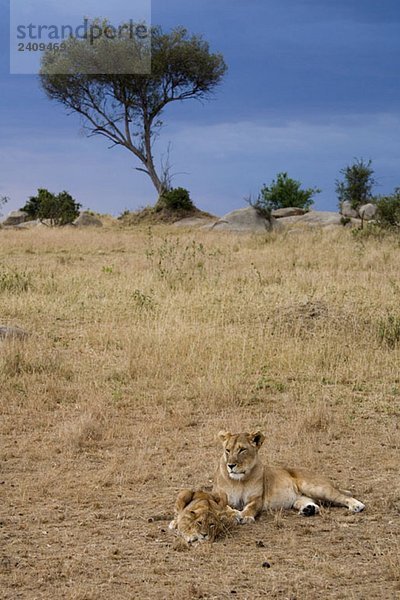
x,y
232,466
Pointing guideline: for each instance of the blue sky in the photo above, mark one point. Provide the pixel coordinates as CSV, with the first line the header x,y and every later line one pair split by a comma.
x,y
311,85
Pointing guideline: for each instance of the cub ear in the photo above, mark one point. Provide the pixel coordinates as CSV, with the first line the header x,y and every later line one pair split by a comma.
x,y
220,498
256,439
183,499
223,436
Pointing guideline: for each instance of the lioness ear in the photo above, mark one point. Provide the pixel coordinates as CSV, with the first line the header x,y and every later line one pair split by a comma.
x,y
183,499
224,435
257,438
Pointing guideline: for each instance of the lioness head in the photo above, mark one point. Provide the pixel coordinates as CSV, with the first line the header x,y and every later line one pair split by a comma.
x,y
199,516
240,452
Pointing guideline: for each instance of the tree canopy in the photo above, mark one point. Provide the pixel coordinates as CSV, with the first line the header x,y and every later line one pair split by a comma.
x,y
126,108
357,185
59,209
284,192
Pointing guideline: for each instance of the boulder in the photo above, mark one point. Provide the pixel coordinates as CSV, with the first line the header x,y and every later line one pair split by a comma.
x,y
243,219
347,210
292,211
29,224
314,218
367,211
16,217
12,332
87,219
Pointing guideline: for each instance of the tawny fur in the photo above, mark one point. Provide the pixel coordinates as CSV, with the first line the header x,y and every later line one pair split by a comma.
x,y
201,516
251,486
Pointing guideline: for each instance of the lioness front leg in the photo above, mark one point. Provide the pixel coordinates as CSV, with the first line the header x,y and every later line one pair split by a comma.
x,y
249,512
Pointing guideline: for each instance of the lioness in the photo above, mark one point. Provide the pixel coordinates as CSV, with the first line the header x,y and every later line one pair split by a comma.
x,y
201,516
251,486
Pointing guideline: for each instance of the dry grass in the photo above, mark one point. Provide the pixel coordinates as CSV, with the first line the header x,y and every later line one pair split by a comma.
x,y
143,345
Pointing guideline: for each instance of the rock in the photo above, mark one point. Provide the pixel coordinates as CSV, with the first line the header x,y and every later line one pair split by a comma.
x,y
243,219
367,212
347,210
12,332
292,211
314,218
15,218
87,219
29,224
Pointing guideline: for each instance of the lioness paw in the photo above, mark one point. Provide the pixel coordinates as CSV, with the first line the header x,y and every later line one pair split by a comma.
x,y
309,510
244,519
247,519
356,506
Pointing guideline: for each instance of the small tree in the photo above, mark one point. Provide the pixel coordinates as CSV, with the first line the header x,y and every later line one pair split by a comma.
x,y
284,192
60,210
388,210
357,185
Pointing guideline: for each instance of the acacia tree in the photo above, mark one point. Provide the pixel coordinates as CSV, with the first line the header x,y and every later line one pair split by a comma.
x,y
59,209
127,108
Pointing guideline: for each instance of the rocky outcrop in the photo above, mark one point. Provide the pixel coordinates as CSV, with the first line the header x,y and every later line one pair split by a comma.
x,y
348,211
87,219
367,212
314,218
16,217
243,219
292,211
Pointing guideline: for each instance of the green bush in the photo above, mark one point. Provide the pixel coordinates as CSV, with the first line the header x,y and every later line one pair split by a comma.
x,y
388,213
176,199
284,192
60,209
357,185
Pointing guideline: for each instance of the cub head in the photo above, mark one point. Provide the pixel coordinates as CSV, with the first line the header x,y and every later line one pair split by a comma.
x,y
199,516
240,452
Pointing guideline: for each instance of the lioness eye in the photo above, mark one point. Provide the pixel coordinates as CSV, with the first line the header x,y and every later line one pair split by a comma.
x,y
227,451
242,450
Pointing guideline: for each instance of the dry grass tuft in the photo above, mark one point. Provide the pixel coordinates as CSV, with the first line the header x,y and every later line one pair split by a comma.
x,y
83,432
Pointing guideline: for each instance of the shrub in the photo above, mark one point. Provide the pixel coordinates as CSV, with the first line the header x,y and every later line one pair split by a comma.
x,y
388,213
60,209
357,185
283,193
176,199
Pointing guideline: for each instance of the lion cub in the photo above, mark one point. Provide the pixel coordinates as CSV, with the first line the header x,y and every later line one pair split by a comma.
x,y
201,516
251,486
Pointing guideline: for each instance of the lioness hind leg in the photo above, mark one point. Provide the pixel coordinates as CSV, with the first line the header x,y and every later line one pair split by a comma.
x,y
322,489
306,506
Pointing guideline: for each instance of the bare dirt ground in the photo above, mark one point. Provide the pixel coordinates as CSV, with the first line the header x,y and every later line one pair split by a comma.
x,y
142,346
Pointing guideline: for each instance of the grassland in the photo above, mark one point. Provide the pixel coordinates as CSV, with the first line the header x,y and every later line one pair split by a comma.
x,y
143,344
